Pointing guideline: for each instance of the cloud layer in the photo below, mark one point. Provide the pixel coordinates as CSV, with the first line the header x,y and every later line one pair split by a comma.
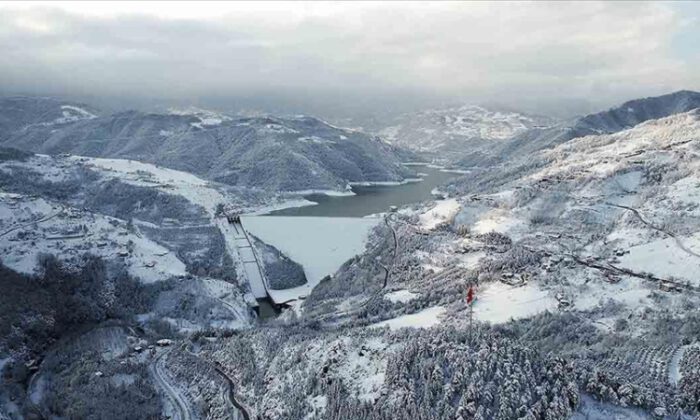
x,y
479,50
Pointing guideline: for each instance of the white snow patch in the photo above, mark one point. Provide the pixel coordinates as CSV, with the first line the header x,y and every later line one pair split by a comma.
x,y
424,319
330,193
499,302
664,258
196,190
402,296
443,212
496,220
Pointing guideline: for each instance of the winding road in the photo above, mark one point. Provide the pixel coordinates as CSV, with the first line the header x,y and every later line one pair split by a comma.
x,y
636,212
239,412
179,403
23,225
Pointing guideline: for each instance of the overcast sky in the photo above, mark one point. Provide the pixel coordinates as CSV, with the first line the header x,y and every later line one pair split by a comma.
x,y
505,52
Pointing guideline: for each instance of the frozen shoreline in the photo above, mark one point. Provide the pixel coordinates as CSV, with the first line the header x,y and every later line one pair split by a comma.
x,y
440,167
383,183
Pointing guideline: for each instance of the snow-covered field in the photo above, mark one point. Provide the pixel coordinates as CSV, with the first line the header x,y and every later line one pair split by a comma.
x,y
426,318
402,296
35,227
197,190
665,259
499,302
443,212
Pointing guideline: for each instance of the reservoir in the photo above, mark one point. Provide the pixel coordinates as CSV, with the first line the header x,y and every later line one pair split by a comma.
x,y
372,199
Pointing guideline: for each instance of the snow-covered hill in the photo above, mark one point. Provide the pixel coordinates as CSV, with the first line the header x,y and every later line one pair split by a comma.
x,y
599,244
158,224
278,154
524,144
24,112
456,129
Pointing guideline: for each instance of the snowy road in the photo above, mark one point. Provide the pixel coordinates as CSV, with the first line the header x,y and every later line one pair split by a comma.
x,y
674,366
23,225
179,403
238,412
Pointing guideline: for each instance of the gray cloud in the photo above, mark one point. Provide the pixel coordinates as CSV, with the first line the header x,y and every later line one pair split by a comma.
x,y
510,52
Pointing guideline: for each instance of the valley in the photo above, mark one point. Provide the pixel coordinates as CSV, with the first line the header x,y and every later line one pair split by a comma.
x,y
332,210
198,296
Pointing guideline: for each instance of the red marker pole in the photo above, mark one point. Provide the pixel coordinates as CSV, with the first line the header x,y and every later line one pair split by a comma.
x,y
470,301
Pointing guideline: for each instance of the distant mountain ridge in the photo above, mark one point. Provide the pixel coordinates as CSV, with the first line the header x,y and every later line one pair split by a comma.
x,y
281,154
454,129
24,111
637,111
616,119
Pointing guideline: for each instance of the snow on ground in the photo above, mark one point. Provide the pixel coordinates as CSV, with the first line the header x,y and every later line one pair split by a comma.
x,y
364,370
674,366
499,302
36,227
384,183
402,296
286,204
196,190
206,117
318,404
443,212
627,237
320,244
603,155
664,258
70,113
471,260
591,409
330,193
424,319
497,220
685,190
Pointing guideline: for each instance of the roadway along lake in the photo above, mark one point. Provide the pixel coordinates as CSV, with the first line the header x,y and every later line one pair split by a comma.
x,y
372,199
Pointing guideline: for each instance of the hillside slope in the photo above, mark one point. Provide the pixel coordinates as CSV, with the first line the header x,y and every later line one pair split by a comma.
x,y
613,120
446,132
279,154
592,258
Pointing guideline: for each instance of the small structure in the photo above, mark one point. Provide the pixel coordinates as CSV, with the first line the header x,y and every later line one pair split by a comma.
x,y
563,303
515,280
32,365
611,278
667,286
164,342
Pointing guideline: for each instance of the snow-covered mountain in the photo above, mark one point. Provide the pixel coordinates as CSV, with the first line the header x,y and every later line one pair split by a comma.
x,y
613,120
582,253
455,129
19,112
599,245
157,224
279,154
